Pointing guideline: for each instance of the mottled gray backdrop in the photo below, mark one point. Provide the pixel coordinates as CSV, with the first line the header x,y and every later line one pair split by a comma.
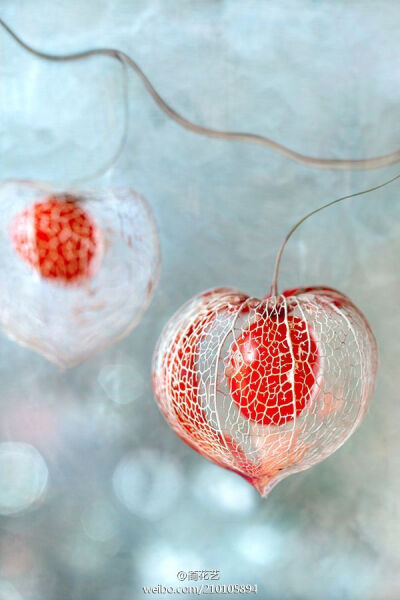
x,y
97,495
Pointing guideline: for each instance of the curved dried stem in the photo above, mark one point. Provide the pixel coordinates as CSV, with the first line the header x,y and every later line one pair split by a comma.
x,y
308,161
274,285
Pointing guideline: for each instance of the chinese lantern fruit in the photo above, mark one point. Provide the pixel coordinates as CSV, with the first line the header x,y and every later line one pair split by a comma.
x,y
57,238
77,268
272,370
265,387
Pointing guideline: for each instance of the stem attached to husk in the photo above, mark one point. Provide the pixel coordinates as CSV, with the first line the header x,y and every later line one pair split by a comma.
x,y
274,285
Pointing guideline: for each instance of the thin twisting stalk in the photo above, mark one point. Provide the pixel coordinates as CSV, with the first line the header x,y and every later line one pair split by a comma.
x,y
274,285
308,161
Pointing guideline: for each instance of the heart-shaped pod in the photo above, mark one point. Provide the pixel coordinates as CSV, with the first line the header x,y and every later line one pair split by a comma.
x,y
266,387
78,269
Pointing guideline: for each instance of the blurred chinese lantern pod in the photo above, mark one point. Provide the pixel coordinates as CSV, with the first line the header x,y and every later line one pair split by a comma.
x,y
266,387
78,269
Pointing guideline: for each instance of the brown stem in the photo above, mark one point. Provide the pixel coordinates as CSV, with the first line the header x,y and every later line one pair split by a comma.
x,y
274,285
376,162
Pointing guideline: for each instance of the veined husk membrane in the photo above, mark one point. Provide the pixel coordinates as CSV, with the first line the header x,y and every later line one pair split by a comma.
x,y
269,387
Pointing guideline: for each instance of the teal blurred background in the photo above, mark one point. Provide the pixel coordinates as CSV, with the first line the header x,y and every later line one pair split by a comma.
x,y
97,496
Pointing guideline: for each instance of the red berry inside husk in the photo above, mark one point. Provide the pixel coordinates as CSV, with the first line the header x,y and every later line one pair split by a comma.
x,y
272,370
58,239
